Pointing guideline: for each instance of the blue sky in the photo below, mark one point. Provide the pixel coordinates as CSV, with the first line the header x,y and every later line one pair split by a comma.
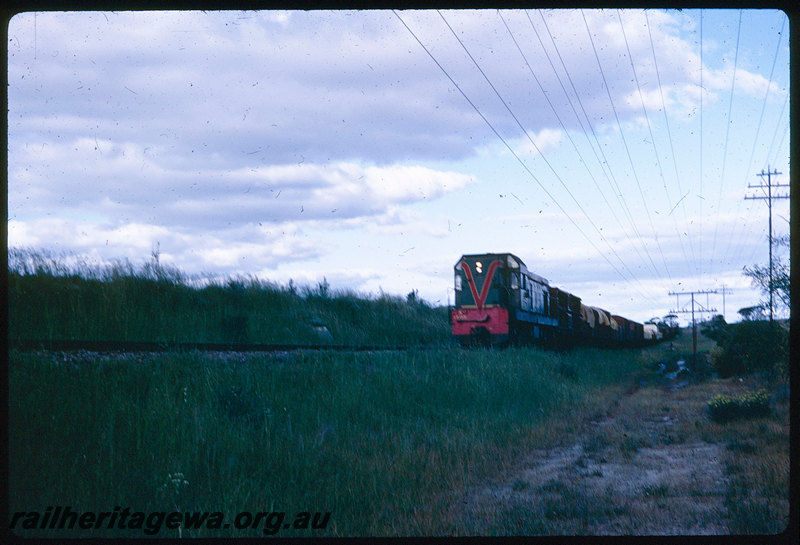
x,y
610,150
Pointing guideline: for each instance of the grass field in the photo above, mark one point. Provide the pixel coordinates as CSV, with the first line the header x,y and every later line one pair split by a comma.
x,y
388,443
374,438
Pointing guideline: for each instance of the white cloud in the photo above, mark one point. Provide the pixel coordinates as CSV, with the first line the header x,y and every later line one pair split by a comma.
x,y
397,184
127,239
117,179
539,143
650,100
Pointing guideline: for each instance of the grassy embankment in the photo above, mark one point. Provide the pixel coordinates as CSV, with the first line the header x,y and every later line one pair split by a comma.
x,y
53,297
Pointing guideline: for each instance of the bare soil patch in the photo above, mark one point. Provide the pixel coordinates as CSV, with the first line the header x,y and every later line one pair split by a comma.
x,y
645,467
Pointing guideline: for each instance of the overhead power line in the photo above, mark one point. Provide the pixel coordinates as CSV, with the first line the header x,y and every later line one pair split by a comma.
x,y
671,145
767,158
530,139
558,117
651,256
602,160
700,181
627,151
727,136
511,150
652,137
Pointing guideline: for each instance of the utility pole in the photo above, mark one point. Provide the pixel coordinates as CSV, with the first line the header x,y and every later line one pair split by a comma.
x,y
768,196
701,309
723,292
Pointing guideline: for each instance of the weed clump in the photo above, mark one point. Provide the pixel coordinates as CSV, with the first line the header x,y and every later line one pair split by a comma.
x,y
243,405
723,408
750,347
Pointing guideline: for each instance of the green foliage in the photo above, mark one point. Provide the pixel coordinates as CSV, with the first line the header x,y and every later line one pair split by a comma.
x,y
726,408
748,347
781,286
373,437
714,327
60,297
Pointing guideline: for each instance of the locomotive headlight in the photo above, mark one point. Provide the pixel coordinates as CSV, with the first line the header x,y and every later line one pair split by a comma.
x,y
478,267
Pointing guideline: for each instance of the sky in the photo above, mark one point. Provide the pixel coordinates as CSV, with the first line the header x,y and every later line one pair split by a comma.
x,y
610,150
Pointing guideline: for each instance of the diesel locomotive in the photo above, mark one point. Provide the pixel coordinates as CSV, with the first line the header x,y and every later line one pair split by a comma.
x,y
499,301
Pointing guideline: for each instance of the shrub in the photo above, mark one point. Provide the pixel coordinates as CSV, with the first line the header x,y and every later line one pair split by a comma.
x,y
726,408
714,328
747,347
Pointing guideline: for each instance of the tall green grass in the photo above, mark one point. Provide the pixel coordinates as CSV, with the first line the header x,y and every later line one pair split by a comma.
x,y
61,297
385,441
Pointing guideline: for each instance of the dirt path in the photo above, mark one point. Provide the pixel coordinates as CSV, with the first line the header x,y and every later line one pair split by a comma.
x,y
641,469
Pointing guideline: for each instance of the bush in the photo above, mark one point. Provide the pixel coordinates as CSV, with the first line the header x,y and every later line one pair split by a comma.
x,y
714,328
748,347
725,408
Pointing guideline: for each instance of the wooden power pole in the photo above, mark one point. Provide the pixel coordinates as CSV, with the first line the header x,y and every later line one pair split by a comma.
x,y
700,309
768,196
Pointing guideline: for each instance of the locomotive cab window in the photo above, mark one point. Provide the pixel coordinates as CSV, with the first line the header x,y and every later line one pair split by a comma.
x,y
458,281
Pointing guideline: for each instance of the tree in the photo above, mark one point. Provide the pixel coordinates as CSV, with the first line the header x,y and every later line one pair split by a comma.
x,y
671,320
751,346
759,275
752,314
714,327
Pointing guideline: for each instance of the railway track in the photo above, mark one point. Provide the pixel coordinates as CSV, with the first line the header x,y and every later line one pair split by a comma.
x,y
29,345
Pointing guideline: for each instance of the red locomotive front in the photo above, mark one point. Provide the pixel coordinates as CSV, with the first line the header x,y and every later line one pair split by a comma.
x,y
481,301
485,326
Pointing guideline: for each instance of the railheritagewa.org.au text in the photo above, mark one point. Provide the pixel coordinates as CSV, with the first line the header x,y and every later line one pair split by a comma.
x,y
151,523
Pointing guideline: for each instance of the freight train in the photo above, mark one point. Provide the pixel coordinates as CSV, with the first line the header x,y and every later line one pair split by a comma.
x,y
499,301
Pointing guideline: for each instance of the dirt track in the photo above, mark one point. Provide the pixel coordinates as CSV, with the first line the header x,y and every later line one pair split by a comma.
x,y
645,467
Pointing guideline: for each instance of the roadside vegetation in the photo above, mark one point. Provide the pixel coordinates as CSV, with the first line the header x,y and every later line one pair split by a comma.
x,y
751,347
430,441
397,443
378,439
52,297
672,453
